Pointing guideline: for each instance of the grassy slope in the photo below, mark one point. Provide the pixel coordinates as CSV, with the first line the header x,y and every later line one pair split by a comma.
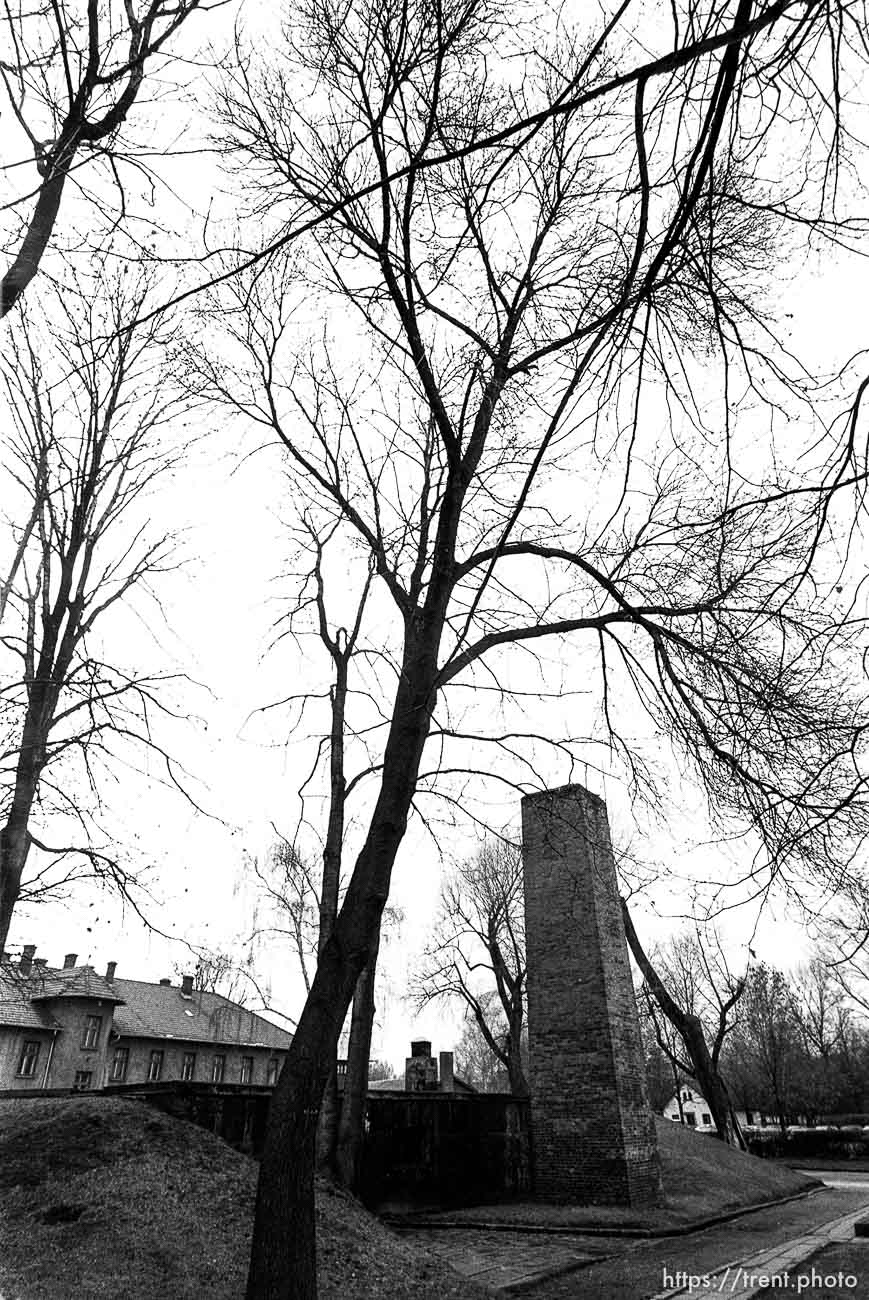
x,y
702,1178
106,1198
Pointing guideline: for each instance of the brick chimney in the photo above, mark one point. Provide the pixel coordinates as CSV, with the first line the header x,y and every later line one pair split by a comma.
x,y
70,960
187,986
28,952
40,962
420,1068
110,970
446,1081
165,982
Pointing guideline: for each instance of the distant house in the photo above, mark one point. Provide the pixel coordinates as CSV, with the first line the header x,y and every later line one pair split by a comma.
x,y
694,1111
69,1027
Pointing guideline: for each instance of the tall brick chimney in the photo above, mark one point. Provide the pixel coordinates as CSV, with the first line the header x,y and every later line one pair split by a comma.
x,y
110,970
70,960
28,952
593,1133
187,986
446,1075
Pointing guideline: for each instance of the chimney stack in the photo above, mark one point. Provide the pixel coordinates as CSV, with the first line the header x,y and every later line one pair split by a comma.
x,y
27,954
40,962
187,986
165,982
110,970
447,1078
70,960
420,1068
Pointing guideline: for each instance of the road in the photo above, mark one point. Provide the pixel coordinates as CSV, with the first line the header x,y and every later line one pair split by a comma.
x,y
859,1180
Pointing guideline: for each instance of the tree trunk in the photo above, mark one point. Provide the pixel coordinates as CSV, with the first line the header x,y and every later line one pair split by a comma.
x,y
515,1070
14,848
327,1126
690,1029
40,228
283,1249
350,1128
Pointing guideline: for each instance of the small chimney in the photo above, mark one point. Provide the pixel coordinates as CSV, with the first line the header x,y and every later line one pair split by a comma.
x,y
187,986
447,1078
27,954
70,960
420,1068
41,962
164,982
110,970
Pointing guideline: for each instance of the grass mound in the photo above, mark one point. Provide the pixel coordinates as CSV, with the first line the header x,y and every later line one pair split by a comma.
x,y
103,1197
702,1178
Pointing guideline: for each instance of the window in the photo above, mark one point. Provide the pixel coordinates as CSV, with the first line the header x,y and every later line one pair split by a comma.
x,y
218,1065
155,1067
119,1064
707,1119
91,1036
272,1073
188,1066
246,1069
690,1119
29,1057
82,1080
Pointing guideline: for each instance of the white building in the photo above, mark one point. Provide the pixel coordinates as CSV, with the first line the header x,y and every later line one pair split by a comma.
x,y
696,1113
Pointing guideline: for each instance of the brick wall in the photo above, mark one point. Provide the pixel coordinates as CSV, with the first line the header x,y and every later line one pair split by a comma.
x,y
593,1136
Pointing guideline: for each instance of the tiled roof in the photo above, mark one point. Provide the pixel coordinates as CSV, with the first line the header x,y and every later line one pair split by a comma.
x,y
17,1009
72,982
22,996
142,1010
162,1011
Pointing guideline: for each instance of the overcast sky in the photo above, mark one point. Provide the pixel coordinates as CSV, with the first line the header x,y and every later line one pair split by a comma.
x,y
246,767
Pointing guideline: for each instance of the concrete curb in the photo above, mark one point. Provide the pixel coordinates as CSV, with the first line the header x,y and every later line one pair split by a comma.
x,y
773,1262
406,1222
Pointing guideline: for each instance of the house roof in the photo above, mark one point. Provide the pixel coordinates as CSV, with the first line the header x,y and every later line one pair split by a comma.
x,y
71,982
141,1010
386,1085
163,1011
16,1009
24,996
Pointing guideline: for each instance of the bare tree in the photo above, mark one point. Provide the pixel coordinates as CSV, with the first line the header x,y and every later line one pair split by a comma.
x,y
687,991
765,1051
71,80
87,411
478,942
513,440
290,888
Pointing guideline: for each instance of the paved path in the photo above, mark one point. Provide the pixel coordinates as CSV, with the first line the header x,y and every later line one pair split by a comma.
x,y
781,1266
721,1260
510,1260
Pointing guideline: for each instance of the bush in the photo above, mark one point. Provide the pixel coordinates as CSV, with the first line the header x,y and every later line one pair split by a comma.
x,y
845,1143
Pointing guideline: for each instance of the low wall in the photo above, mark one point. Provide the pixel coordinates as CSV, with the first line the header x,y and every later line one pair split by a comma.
x,y
419,1148
238,1113
445,1149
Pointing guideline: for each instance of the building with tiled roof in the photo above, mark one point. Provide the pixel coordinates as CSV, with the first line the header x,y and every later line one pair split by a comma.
x,y
69,1027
